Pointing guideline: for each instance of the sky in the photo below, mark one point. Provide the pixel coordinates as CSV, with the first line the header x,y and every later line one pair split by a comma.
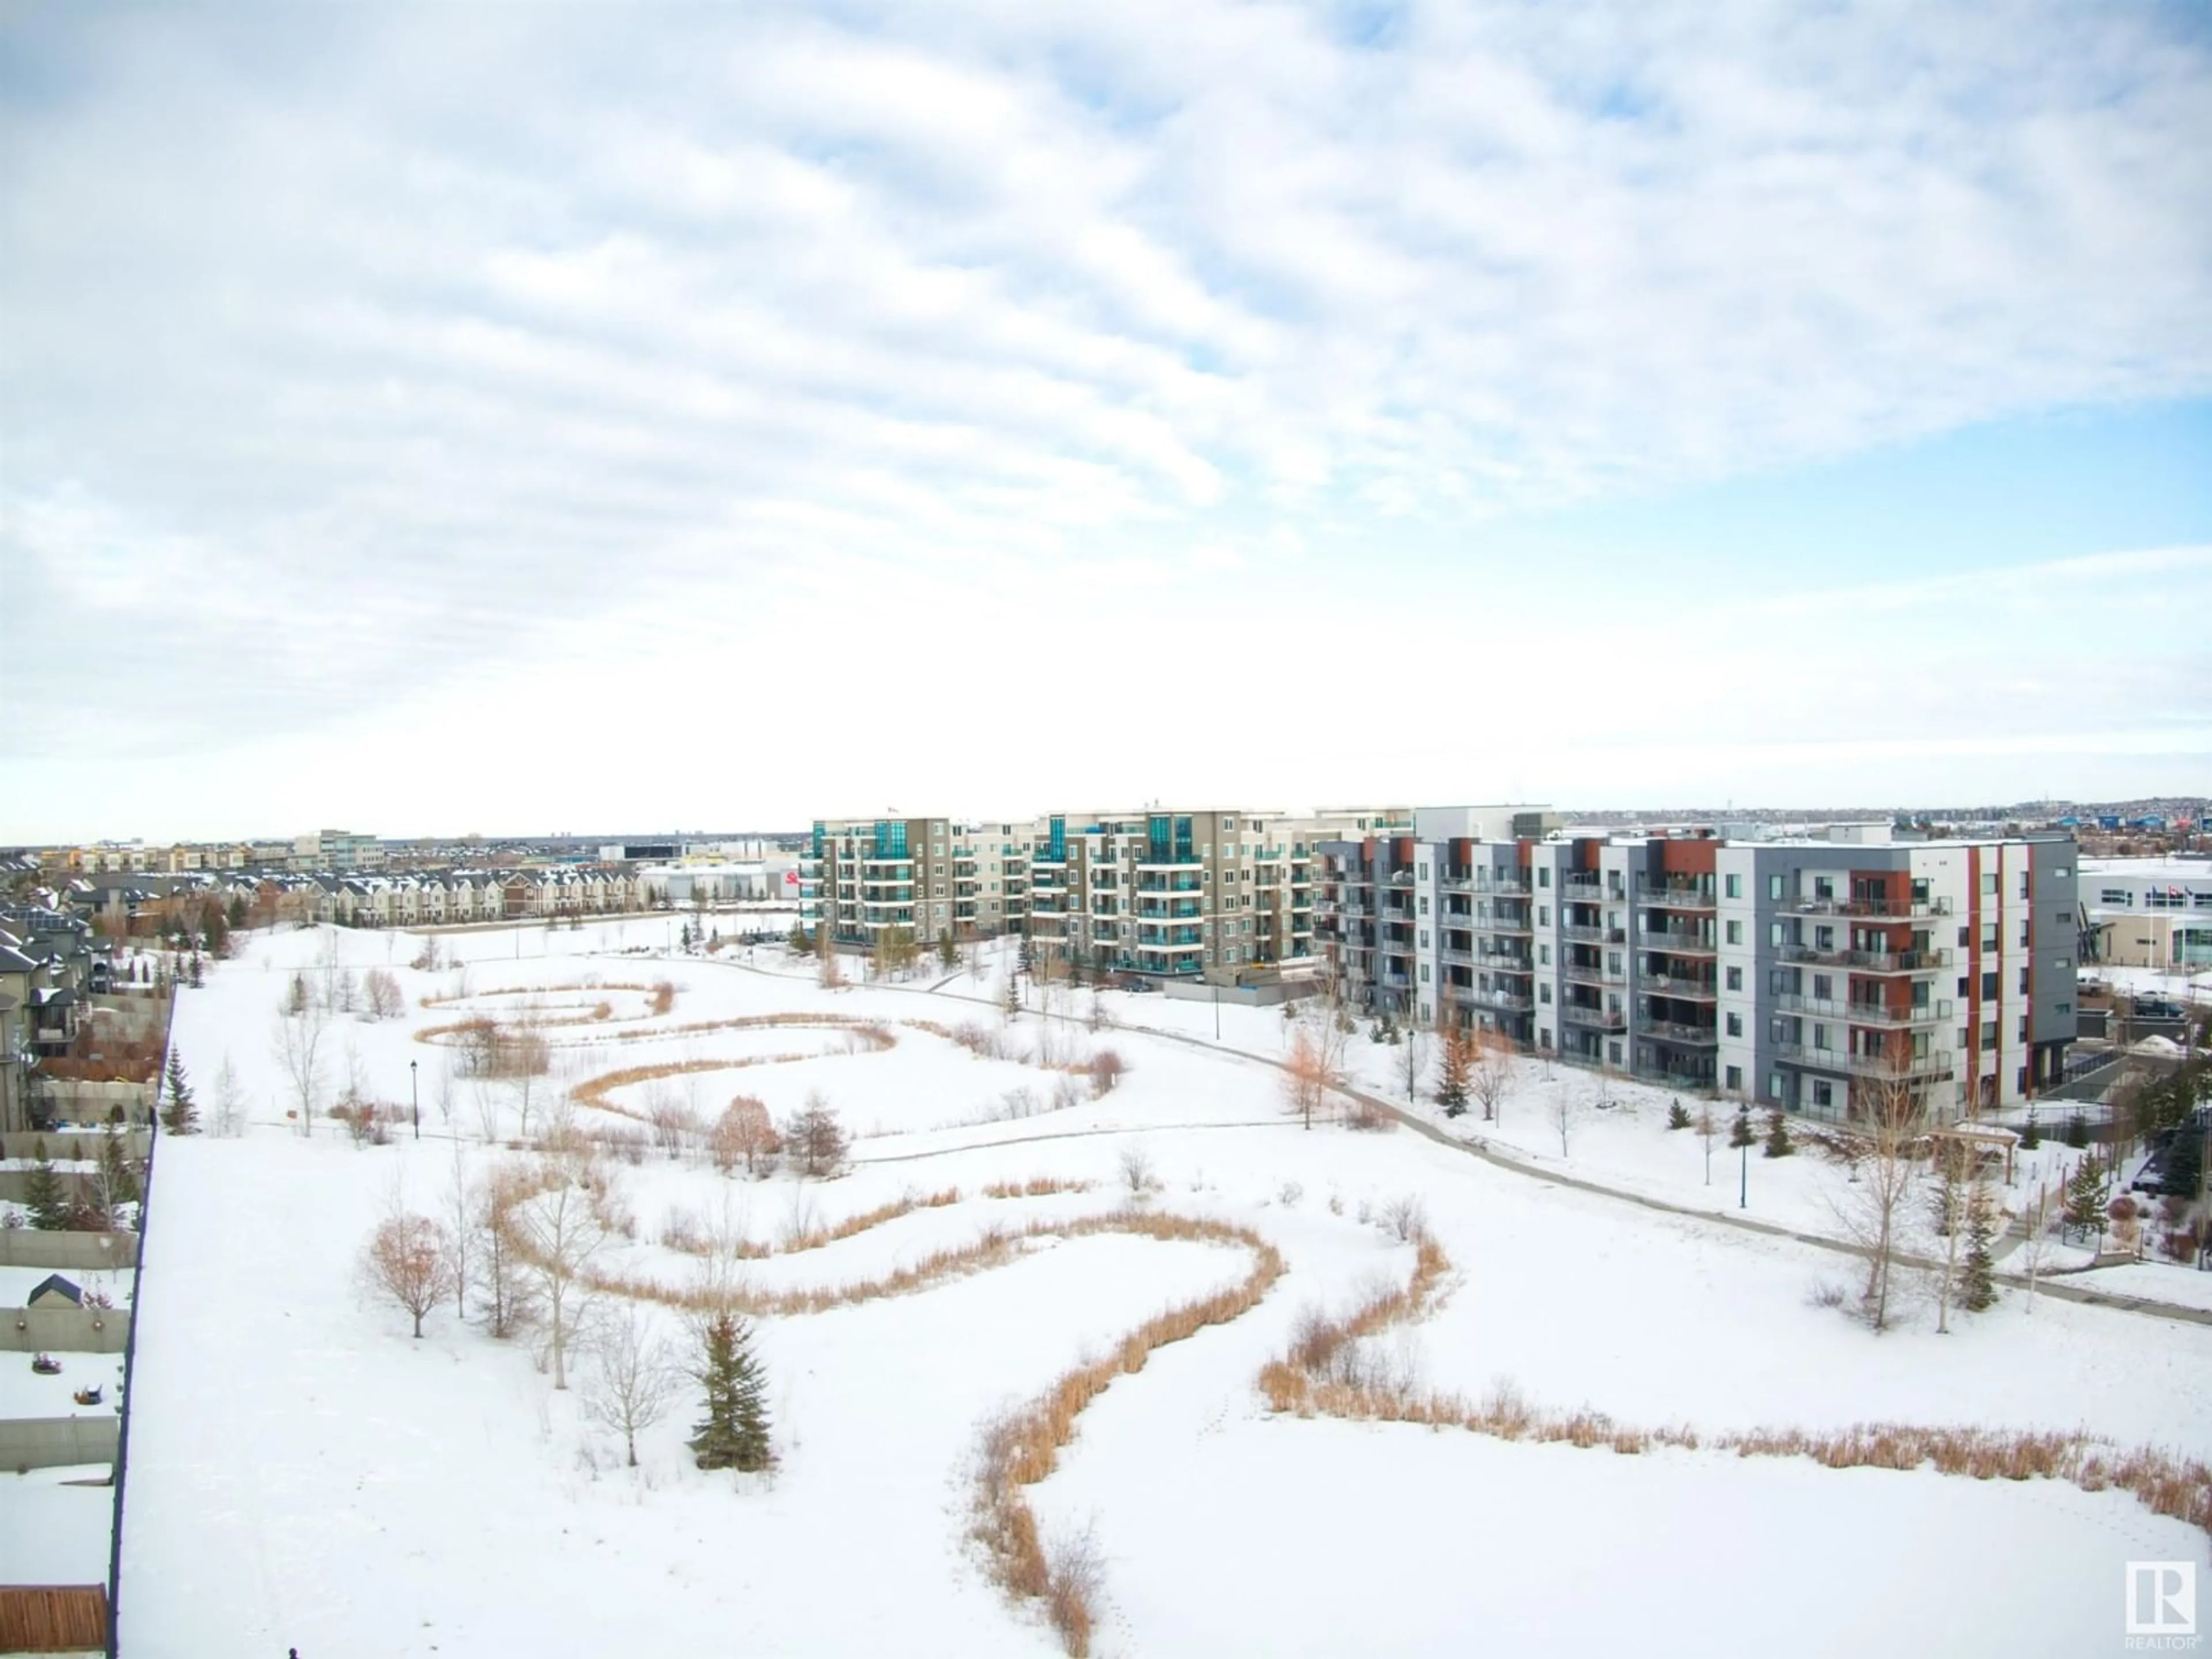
x,y
522,418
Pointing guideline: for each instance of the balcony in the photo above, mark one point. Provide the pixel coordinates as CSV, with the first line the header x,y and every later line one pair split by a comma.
x,y
1934,1064
1874,910
1866,1014
1872,962
1594,1019
1168,883
1676,898
1497,1002
1503,925
1503,962
1674,1031
1595,935
888,901
1591,973
1677,941
1672,985
1162,910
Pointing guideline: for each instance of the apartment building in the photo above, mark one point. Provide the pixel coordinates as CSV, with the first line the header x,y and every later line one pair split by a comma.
x,y
1211,892
1789,972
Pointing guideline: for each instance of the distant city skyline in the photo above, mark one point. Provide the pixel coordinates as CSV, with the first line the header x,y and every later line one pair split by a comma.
x,y
1699,402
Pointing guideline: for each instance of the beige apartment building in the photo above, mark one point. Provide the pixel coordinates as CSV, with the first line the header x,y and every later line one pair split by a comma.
x,y
1203,893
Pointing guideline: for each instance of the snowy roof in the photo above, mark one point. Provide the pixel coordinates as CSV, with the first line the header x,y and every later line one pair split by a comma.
x,y
59,1286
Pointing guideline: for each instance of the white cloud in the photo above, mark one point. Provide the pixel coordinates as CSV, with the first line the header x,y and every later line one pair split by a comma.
x,y
349,357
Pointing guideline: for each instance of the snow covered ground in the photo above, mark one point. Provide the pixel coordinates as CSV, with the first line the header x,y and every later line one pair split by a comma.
x,y
54,1525
305,1474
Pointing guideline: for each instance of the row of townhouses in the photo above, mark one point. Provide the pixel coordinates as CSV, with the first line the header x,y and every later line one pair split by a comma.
x,y
1195,891
50,965
1792,972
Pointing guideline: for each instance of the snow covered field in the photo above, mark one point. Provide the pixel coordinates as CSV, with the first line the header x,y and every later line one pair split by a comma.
x,y
305,1474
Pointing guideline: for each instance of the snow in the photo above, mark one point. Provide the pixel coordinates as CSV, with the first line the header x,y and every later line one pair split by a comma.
x,y
54,1525
305,1474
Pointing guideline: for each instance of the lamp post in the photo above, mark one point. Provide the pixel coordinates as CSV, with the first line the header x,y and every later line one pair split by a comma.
x,y
415,1098
1743,1178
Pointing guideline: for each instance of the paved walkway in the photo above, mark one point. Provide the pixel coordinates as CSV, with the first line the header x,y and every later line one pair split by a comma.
x,y
2053,1285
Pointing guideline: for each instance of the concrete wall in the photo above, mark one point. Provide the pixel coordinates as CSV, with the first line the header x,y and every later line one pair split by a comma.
x,y
28,1247
64,1145
49,1443
88,1102
1239,996
63,1330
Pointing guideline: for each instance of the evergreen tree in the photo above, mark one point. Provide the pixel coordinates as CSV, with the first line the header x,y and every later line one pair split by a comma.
x,y
1678,1115
799,942
1453,1068
181,1116
1977,1287
2030,1136
1012,999
2078,1130
120,1179
2085,1196
2184,1163
733,1433
1740,1133
42,1192
1779,1143
947,951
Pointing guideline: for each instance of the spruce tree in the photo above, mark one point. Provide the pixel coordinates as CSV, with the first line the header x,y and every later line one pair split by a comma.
x,y
2085,1196
1678,1115
181,1116
2078,1130
947,951
1779,1143
733,1433
2030,1136
1977,1286
1740,1133
42,1192
121,1180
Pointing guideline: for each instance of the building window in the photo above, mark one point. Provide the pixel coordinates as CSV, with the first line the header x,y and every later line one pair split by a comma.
x,y
1988,1037
1735,978
1988,883
1425,973
1735,1025
1544,876
1424,870
1736,932
1543,992
1774,890
1989,987
1824,1092
2023,981
1734,887
1735,1076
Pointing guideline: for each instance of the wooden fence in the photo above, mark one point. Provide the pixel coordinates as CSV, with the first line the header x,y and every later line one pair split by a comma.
x,y
53,1619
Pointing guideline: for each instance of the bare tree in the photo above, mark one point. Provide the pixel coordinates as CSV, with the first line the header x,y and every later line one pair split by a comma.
x,y
1562,1108
1314,1067
459,1205
1709,1132
381,989
297,1046
1137,1169
744,1131
1947,1210
505,1296
1490,1074
1873,1208
635,1380
228,1114
408,1259
556,1232
2035,1238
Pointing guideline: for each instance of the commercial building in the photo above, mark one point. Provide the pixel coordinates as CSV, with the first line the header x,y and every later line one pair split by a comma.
x,y
2147,913
1212,893
1789,972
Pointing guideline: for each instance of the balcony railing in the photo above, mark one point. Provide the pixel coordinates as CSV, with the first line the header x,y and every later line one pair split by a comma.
x,y
1594,1019
1935,1063
1873,909
1872,961
1670,1031
1673,985
1592,973
1678,941
1503,925
1596,935
1677,898
1502,1002
1865,1013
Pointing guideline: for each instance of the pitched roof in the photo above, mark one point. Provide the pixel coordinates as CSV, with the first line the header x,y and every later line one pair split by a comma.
x,y
56,1283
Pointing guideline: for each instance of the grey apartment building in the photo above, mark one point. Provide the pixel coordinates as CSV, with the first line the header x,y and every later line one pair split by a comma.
x,y
1788,972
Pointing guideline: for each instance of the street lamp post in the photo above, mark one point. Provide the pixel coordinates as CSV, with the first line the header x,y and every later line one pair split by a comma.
x,y
1743,1188
415,1098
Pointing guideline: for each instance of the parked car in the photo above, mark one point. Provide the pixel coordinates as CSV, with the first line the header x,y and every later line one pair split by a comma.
x,y
1134,983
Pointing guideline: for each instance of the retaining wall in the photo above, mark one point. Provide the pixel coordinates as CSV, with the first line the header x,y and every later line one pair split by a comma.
x,y
63,1330
28,1247
52,1443
64,1145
